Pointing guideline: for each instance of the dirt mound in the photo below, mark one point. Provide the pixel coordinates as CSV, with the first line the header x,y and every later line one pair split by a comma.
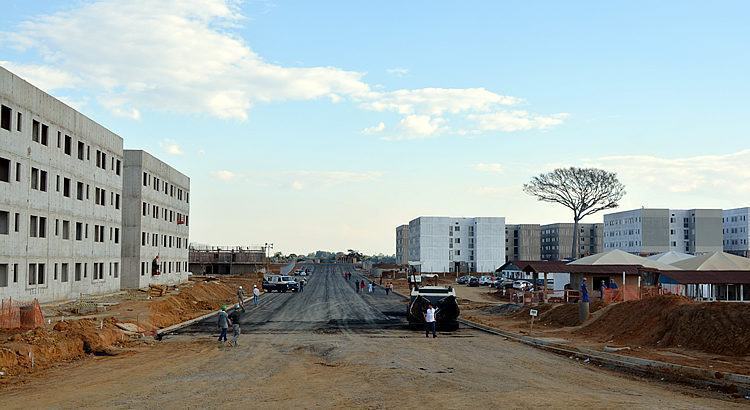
x,y
192,301
566,315
524,313
673,321
502,310
41,348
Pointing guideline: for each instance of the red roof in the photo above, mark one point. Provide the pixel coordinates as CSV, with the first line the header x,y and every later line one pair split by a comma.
x,y
563,267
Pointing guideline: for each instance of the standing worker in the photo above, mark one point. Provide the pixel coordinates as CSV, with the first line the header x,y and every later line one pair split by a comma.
x,y
429,321
256,295
356,286
234,319
387,288
223,324
584,291
603,289
302,285
369,287
241,298
362,286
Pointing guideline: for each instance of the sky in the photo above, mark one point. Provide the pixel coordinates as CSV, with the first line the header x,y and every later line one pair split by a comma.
x,y
324,125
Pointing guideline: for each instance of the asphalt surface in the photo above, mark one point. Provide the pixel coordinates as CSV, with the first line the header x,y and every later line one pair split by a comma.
x,y
328,302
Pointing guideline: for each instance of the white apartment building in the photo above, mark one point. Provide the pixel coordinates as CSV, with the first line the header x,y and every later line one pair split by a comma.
x,y
402,245
60,198
649,231
155,222
737,231
445,244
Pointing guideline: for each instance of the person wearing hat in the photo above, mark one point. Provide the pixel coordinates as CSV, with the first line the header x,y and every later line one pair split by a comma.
x,y
241,298
234,319
256,295
223,324
584,291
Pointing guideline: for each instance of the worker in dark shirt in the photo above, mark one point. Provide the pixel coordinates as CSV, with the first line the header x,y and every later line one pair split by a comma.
x,y
234,319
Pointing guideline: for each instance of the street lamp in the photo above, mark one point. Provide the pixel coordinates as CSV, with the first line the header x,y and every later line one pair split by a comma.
x,y
267,252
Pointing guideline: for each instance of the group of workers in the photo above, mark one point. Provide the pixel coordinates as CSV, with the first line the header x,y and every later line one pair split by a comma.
x,y
225,320
602,289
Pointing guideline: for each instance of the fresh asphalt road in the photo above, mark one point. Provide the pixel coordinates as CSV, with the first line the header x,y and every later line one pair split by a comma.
x,y
328,302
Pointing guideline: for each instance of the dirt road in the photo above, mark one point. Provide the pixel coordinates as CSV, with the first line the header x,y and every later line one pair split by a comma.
x,y
324,353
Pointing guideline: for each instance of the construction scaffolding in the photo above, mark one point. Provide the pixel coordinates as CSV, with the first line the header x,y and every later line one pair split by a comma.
x,y
226,260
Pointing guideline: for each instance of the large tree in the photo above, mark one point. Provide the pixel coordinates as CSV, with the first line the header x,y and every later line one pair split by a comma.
x,y
584,191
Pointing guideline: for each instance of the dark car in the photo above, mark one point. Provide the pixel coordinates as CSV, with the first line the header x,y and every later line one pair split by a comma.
x,y
473,282
462,280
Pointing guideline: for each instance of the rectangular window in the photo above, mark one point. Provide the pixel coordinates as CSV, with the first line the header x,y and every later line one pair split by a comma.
x,y
117,201
4,170
66,187
17,222
34,178
42,227
19,121
43,181
55,273
3,275
81,150
64,272
77,272
35,130
68,144
118,165
59,139
31,274
117,235
18,171
57,227
79,231
117,269
57,183
45,134
145,179
5,115
98,159
66,229
79,191
104,160
4,222
33,226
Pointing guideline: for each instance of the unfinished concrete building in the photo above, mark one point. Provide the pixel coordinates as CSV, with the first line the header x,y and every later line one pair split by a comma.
x,y
60,198
156,222
557,240
523,242
402,245
227,260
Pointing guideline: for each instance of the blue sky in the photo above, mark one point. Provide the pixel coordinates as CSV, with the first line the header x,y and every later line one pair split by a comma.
x,y
323,125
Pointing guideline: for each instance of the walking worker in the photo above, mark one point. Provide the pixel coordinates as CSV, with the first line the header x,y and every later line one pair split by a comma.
x,y
369,287
223,324
302,285
387,288
584,291
362,285
430,324
256,295
241,298
356,286
234,319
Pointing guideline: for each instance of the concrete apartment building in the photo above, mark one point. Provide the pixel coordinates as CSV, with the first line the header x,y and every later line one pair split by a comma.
x,y
60,198
402,245
523,242
649,231
557,240
736,227
445,244
156,222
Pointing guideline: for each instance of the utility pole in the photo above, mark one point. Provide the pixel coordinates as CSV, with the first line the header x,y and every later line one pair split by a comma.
x,y
267,251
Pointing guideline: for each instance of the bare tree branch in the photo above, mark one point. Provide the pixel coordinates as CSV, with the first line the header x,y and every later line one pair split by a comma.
x,y
585,191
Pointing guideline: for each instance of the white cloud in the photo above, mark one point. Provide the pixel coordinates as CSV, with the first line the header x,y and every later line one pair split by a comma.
x,y
302,179
375,129
398,71
224,175
494,168
185,56
297,185
509,121
420,126
171,147
708,179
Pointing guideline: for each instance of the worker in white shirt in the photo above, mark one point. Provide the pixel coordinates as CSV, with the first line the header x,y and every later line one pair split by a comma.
x,y
256,295
429,321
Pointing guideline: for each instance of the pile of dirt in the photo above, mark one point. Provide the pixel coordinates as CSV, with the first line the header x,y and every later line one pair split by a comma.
x,y
200,298
674,321
41,348
524,312
566,314
502,310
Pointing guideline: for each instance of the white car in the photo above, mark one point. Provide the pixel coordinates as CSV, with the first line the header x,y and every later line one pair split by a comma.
x,y
485,280
522,285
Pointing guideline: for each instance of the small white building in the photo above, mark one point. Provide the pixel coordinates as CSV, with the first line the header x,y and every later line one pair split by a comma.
x,y
446,244
156,222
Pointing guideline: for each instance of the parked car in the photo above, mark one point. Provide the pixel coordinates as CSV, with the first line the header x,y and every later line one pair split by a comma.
x,y
462,280
503,283
473,282
485,280
280,283
522,285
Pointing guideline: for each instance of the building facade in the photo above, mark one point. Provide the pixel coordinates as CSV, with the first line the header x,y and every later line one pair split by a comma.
x,y
60,198
650,231
523,242
445,244
557,240
736,227
156,222
402,245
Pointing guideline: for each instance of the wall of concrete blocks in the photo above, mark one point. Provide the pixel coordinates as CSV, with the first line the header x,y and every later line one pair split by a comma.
x,y
65,189
156,221
56,199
